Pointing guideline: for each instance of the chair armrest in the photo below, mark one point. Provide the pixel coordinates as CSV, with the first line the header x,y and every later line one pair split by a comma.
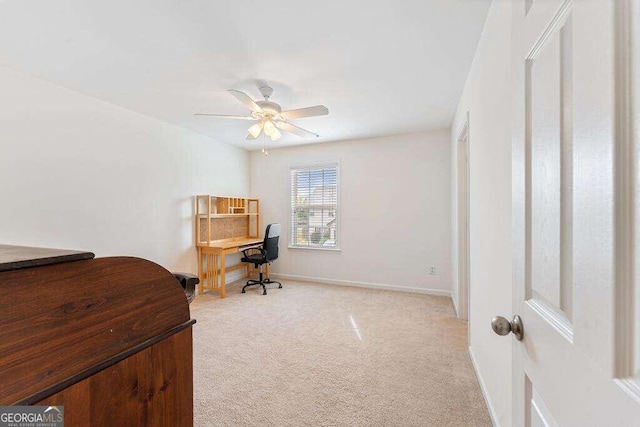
x,y
256,250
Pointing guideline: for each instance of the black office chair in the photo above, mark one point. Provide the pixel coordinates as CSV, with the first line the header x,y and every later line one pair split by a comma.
x,y
263,255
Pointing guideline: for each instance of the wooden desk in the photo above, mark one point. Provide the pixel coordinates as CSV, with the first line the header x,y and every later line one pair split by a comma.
x,y
209,255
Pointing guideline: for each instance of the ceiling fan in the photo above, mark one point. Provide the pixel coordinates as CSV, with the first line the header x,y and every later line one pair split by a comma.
x,y
270,117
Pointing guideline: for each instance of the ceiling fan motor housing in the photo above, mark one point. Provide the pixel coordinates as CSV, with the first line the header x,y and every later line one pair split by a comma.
x,y
270,108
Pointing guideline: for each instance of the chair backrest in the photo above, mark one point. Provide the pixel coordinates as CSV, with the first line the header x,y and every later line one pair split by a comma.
x,y
270,244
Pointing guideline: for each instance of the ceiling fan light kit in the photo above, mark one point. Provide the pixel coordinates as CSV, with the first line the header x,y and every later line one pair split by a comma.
x,y
269,127
271,119
255,130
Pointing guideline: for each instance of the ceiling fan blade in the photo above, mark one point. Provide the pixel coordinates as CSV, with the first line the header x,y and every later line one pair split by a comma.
x,y
317,110
288,127
246,100
225,116
249,136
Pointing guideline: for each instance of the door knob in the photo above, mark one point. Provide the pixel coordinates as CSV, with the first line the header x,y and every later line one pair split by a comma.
x,y
502,326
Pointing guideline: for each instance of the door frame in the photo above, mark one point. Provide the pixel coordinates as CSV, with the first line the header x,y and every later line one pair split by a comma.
x,y
462,215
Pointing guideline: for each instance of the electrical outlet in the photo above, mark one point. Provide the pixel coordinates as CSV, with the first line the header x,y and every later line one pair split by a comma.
x,y
432,271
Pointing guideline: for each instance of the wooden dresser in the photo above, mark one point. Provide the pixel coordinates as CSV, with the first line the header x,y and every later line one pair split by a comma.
x,y
109,338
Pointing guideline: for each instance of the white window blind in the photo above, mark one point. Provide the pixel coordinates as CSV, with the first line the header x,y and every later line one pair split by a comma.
x,y
314,206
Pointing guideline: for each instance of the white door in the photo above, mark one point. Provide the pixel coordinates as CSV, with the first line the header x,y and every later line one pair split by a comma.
x,y
574,175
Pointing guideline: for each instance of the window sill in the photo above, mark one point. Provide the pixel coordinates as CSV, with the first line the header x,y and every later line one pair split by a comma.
x,y
307,248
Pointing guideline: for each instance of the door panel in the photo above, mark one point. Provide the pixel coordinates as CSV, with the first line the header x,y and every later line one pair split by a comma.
x,y
567,187
549,105
539,414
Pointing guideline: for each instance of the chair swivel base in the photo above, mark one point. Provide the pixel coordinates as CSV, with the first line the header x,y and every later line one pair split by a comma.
x,y
261,282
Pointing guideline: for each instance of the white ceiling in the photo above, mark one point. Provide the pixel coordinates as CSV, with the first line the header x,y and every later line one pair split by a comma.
x,y
381,67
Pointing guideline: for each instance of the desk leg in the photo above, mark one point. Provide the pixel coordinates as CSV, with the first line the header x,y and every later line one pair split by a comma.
x,y
223,278
214,260
200,271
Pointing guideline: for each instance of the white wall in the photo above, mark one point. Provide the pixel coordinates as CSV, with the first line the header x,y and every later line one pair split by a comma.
x,y
78,173
395,211
487,99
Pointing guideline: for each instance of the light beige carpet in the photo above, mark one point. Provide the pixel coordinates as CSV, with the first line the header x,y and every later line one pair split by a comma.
x,y
321,355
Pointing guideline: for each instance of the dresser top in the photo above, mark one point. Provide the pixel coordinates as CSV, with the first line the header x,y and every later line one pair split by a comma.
x,y
17,257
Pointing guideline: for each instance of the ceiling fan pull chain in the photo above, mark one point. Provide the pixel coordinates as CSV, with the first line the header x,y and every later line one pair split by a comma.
x,y
264,145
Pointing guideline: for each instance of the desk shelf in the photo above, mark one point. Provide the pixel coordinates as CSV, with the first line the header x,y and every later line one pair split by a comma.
x,y
224,217
227,215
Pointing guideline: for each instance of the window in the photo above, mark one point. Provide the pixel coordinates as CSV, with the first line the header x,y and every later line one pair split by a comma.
x,y
314,206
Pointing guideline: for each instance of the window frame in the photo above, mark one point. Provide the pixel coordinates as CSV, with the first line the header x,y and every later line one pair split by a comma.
x,y
320,164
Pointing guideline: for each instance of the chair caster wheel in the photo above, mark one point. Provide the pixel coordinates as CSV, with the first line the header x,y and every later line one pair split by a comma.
x,y
244,292
280,287
264,293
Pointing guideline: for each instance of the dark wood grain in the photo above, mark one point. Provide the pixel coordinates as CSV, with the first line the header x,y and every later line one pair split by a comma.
x,y
17,257
146,389
59,321
57,387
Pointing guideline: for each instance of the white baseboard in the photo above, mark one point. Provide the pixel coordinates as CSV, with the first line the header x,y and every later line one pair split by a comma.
x,y
382,286
232,276
483,388
455,306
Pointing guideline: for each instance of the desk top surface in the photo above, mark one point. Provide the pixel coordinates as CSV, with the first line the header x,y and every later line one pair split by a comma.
x,y
231,243
17,257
